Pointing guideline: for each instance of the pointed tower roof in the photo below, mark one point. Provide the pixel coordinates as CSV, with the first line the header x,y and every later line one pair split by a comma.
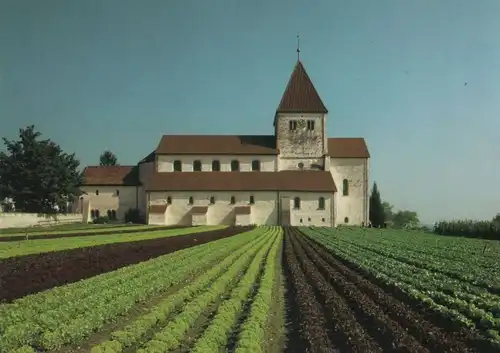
x,y
300,95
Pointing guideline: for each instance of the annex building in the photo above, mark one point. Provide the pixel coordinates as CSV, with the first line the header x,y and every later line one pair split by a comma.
x,y
297,176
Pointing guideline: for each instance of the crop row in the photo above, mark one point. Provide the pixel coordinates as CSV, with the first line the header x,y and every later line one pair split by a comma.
x,y
434,289
244,271
133,333
46,321
27,247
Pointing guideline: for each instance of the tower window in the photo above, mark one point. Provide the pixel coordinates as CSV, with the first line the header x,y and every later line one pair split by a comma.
x,y
177,166
256,165
345,187
235,166
310,125
197,166
292,124
215,166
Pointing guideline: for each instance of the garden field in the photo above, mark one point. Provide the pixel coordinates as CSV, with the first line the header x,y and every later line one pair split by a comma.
x,y
263,289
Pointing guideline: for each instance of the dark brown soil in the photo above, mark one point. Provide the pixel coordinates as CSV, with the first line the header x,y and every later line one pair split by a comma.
x,y
357,315
84,233
20,276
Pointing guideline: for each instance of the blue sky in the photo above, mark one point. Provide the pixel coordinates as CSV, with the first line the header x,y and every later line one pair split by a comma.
x,y
117,74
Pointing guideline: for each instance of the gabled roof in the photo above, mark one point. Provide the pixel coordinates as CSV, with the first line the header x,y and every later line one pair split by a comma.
x,y
317,181
217,144
348,147
111,175
300,95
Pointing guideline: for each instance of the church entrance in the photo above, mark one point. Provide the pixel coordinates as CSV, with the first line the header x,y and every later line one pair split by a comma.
x,y
284,211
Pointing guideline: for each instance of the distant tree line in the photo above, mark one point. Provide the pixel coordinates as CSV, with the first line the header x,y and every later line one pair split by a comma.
x,y
470,228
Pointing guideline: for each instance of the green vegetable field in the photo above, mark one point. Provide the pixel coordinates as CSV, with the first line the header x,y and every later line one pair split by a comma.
x,y
251,289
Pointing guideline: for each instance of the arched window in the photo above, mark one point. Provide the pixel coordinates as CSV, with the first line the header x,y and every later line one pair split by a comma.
x,y
215,166
235,166
233,200
256,165
92,214
191,201
97,192
177,166
113,214
346,220
301,165
321,203
345,187
169,200
197,166
252,200
296,202
212,200
117,192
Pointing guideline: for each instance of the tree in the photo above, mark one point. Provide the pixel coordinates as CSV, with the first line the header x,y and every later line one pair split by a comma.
x,y
405,218
108,158
36,174
496,219
388,211
377,215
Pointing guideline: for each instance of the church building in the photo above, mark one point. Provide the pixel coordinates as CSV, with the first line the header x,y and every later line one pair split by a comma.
x,y
298,176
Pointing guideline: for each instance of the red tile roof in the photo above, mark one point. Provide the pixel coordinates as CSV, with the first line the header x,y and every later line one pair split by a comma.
x,y
348,147
157,209
199,210
300,95
217,144
111,175
242,210
318,181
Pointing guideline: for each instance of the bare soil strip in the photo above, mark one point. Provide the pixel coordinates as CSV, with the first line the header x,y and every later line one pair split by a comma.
x,y
30,274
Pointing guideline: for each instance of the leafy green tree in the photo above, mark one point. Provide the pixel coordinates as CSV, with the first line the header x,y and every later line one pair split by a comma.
x,y
36,174
496,219
377,213
108,158
388,211
405,218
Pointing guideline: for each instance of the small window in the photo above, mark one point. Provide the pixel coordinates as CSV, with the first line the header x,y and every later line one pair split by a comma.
x,y
190,201
113,215
177,166
117,192
256,165
301,220
197,166
301,165
292,124
169,200
215,166
235,166
252,200
321,203
97,192
233,200
345,187
346,220
212,200
323,220
296,202
92,214
309,219
310,125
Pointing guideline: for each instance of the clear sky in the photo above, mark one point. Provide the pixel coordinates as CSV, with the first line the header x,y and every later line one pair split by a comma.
x,y
117,74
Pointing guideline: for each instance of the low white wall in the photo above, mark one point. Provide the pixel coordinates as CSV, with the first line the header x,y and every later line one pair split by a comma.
x,y
14,220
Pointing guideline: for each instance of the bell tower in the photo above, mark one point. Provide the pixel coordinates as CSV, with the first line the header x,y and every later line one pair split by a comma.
x,y
300,124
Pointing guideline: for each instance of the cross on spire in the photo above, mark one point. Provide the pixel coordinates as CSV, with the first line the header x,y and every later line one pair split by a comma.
x,y
298,47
